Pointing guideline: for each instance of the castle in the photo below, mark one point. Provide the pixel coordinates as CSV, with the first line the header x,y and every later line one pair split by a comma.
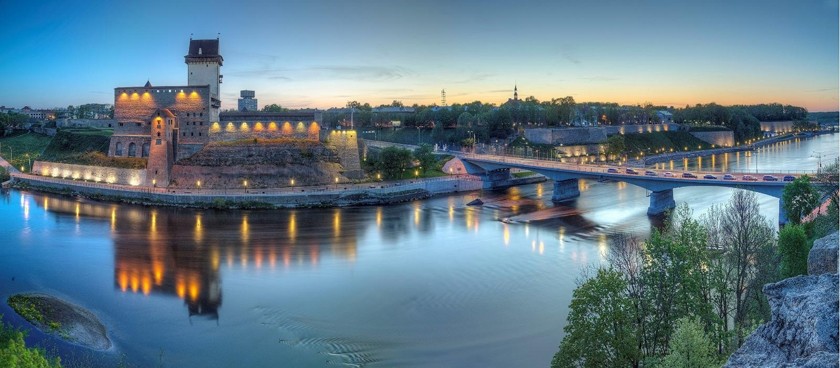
x,y
166,124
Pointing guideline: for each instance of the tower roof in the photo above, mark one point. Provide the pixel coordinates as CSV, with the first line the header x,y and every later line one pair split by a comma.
x,y
201,50
148,84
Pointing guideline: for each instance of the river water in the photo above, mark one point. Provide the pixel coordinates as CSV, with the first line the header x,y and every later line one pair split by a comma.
x,y
431,283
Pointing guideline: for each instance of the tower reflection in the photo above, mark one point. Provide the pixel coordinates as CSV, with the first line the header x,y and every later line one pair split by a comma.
x,y
181,253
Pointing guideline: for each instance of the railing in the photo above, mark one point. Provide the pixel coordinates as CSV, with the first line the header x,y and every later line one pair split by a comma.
x,y
660,174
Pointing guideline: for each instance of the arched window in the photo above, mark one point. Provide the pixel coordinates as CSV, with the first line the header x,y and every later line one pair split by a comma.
x,y
145,151
132,149
118,150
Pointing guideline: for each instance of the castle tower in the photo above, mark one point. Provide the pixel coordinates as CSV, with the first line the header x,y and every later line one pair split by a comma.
x,y
164,147
204,66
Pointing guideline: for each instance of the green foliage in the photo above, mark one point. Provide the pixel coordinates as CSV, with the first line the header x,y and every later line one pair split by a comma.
x,y
600,332
799,198
20,149
793,251
87,146
15,354
26,308
690,347
616,145
649,143
394,161
685,297
425,156
274,108
4,175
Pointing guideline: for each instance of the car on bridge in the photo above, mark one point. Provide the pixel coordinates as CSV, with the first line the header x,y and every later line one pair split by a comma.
x,y
668,174
728,177
749,178
788,178
631,171
689,175
710,177
650,173
612,170
770,178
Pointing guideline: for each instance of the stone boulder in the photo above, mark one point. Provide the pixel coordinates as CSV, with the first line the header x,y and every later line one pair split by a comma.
x,y
803,328
823,256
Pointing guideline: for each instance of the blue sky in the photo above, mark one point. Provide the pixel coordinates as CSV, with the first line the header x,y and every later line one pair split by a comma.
x,y
325,53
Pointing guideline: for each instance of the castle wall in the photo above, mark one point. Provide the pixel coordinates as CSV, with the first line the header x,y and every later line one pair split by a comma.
x,y
133,108
591,135
346,144
233,130
719,138
111,175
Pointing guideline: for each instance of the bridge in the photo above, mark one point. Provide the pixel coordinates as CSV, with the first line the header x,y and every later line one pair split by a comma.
x,y
495,172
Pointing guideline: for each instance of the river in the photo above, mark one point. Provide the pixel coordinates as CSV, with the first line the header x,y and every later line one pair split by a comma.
x,y
431,283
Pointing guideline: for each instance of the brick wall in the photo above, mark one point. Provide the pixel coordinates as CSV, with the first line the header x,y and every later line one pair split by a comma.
x,y
345,143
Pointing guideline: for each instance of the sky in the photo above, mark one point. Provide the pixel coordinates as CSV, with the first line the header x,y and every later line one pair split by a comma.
x,y
323,53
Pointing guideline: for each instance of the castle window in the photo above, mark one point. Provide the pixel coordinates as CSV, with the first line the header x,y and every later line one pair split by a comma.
x,y
138,124
158,134
201,114
199,134
121,124
157,142
144,152
118,150
200,123
132,149
191,134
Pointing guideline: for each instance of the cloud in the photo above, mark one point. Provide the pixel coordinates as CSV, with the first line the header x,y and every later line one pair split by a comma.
x,y
823,89
570,53
361,72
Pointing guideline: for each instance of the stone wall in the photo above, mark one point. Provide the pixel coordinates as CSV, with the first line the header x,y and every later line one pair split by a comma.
x,y
111,175
134,106
718,138
231,131
777,126
591,135
85,123
346,145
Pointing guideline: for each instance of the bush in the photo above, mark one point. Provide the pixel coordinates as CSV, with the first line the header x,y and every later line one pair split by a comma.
x,y
4,175
793,251
14,353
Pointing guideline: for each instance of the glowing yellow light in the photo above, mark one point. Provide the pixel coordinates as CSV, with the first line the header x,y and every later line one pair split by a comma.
x,y
336,180
198,183
245,183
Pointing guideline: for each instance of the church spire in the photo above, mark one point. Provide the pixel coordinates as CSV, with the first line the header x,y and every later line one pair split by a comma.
x,y
515,93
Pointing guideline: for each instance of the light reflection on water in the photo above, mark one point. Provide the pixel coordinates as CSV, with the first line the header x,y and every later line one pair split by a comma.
x,y
426,283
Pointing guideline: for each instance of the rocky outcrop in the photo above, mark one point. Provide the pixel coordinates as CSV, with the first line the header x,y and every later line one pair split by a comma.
x,y
261,165
803,328
823,256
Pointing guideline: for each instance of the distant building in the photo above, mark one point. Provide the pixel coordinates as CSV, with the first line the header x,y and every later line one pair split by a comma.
x,y
247,102
665,117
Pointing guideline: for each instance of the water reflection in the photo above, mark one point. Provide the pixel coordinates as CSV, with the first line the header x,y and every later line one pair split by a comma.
x,y
169,251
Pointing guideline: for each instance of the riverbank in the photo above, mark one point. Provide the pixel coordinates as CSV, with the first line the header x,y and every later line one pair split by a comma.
x,y
665,157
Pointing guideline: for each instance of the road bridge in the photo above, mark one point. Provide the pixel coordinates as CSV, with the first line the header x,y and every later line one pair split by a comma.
x,y
495,172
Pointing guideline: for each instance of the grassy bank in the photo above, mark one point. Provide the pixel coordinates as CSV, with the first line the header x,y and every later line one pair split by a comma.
x,y
21,149
87,147
659,142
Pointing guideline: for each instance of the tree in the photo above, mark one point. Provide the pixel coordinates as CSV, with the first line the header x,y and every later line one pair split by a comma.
x,y
426,157
748,236
274,108
600,332
793,251
393,162
690,347
616,145
799,198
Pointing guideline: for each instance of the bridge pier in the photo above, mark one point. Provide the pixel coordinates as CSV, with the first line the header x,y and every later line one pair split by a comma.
x,y
495,179
783,218
661,201
565,190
